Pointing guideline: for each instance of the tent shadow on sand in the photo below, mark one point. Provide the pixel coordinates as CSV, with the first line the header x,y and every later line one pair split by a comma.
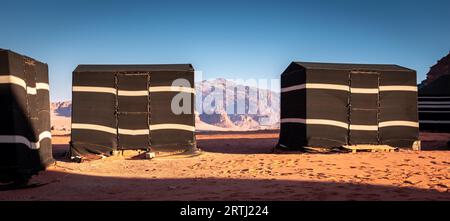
x,y
67,186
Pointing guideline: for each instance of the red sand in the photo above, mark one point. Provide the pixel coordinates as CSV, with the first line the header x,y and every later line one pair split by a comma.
x,y
240,166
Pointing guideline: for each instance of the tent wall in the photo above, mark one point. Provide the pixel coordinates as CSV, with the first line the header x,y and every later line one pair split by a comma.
x,y
25,116
331,105
327,104
398,108
434,105
129,107
293,103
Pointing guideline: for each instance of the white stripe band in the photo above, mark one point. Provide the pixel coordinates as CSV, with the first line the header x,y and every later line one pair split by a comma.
x,y
434,122
347,88
328,86
433,102
132,93
315,121
364,90
293,88
438,112
94,89
172,127
352,126
364,127
10,79
420,97
133,132
434,106
398,123
24,140
94,127
398,88
172,89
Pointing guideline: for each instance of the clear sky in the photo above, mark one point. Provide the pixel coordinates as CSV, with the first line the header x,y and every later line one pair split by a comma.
x,y
229,39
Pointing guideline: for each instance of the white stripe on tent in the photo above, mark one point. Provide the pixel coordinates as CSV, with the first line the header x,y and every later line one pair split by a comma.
x,y
364,127
133,93
352,126
434,111
433,102
172,127
364,90
420,97
398,123
316,86
398,88
94,127
132,132
10,79
42,86
434,122
172,89
315,121
39,86
347,88
434,106
94,89
24,140
293,88
328,86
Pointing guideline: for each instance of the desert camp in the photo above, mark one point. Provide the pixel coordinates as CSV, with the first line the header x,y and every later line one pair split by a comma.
x,y
25,137
245,102
332,105
129,107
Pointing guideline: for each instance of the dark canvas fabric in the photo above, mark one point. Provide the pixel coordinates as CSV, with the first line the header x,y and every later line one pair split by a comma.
x,y
330,105
434,105
25,138
123,107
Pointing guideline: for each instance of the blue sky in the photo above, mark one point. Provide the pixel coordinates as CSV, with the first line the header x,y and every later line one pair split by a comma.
x,y
230,39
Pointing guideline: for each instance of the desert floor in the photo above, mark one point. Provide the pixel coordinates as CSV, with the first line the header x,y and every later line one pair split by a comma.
x,y
240,166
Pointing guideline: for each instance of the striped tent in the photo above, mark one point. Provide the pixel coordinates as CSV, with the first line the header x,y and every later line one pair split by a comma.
x,y
331,105
25,137
434,105
129,107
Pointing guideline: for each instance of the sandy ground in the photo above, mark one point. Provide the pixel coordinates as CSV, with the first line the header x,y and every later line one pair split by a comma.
x,y
237,166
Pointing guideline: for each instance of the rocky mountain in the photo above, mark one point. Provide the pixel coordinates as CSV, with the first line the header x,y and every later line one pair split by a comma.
x,y
441,68
221,105
227,104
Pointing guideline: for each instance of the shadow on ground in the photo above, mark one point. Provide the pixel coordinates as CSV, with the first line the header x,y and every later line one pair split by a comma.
x,y
65,186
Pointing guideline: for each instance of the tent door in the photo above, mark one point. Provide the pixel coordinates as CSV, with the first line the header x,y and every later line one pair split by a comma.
x,y
133,111
364,107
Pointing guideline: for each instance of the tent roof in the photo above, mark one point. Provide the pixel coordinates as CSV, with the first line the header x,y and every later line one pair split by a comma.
x,y
343,66
134,67
13,52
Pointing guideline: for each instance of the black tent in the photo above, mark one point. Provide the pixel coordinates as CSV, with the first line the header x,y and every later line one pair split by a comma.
x,y
331,105
25,137
434,105
128,107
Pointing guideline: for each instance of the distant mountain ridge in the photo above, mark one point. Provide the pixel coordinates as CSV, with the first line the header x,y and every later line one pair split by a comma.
x,y
267,116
